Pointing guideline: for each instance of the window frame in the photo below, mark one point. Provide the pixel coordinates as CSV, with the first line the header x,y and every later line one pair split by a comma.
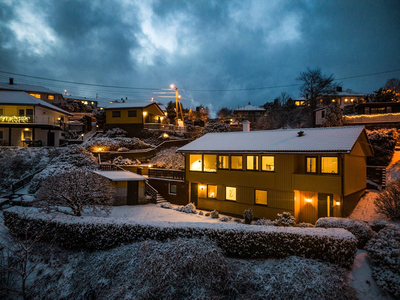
x,y
115,112
133,112
190,170
20,110
169,189
1,111
256,163
325,173
226,194
255,197
316,165
230,162
218,162
208,191
263,164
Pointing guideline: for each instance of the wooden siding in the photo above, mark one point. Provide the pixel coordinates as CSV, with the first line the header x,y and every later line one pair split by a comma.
x,y
355,174
329,184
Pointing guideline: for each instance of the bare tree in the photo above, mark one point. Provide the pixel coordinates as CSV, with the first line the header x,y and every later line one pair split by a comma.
x,y
78,190
388,202
333,116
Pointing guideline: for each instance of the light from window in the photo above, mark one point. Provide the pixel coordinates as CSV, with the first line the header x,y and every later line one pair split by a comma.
x,y
329,165
223,162
252,162
196,161
311,164
212,191
172,189
261,197
210,163
268,163
50,97
236,162
230,193
35,95
116,114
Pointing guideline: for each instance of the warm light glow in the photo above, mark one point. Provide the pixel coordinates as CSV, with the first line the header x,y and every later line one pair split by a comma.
x,y
161,118
333,100
172,86
371,116
346,100
99,149
14,119
101,108
196,162
165,135
308,200
145,113
337,203
352,100
82,134
150,166
202,187
26,129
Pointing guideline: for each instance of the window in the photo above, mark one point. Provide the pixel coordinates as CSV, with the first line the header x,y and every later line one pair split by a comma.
x,y
196,161
329,165
261,197
268,163
1,111
311,164
236,162
223,162
377,110
210,163
27,134
322,114
35,95
29,112
252,162
116,114
367,111
21,112
132,113
212,191
172,189
50,97
230,193
1,135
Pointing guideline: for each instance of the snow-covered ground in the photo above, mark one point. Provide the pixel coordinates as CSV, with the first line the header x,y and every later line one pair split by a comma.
x,y
365,209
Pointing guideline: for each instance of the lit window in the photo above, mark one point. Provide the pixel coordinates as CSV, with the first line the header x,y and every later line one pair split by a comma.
x,y
116,114
210,163
223,162
367,110
50,97
252,162
172,189
236,162
311,164
268,163
329,165
261,197
35,95
297,103
352,100
27,135
230,193
196,162
212,191
132,113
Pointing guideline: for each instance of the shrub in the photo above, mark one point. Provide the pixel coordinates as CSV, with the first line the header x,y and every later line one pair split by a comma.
x,y
214,214
384,249
201,213
285,219
306,225
248,216
189,209
125,161
264,222
224,219
92,233
378,225
388,201
169,159
360,229
383,142
113,144
115,132
166,205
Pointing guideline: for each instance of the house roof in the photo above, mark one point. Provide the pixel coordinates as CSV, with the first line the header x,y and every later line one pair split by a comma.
x,y
129,104
329,139
79,98
22,98
26,87
250,108
121,175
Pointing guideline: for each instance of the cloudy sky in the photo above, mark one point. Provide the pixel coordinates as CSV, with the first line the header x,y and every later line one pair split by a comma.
x,y
251,48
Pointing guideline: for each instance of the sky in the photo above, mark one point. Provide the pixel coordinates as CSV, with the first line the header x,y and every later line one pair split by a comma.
x,y
218,53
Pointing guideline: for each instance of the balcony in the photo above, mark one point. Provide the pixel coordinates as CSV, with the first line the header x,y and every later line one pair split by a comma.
x,y
368,119
42,119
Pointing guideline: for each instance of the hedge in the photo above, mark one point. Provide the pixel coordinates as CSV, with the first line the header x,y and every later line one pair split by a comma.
x,y
91,233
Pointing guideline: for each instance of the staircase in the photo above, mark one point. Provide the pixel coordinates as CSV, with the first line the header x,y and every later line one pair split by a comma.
x,y
160,199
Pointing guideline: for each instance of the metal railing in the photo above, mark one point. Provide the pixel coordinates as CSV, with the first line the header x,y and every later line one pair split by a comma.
x,y
23,182
110,167
377,174
164,173
152,192
160,126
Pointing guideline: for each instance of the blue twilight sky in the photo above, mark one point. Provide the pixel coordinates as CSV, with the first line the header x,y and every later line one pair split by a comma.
x,y
198,45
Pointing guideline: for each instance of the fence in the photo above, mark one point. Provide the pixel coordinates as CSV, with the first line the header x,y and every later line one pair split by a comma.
x,y
163,173
377,174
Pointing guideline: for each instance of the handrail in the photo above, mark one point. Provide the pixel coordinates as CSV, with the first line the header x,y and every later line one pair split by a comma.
x,y
166,173
24,181
151,191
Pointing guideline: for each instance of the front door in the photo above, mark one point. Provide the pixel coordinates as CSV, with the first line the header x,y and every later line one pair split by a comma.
x,y
133,193
50,138
194,191
325,205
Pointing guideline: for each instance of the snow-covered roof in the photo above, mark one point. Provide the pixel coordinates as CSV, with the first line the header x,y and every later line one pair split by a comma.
x,y
26,87
128,104
79,98
250,108
121,175
330,139
22,98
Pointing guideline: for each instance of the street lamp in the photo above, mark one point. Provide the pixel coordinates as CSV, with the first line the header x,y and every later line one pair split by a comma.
x,y
178,104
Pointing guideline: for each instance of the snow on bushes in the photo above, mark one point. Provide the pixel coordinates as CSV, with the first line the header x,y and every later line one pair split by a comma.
x,y
188,208
169,159
383,142
285,219
336,246
360,229
264,222
388,201
113,144
166,205
248,216
125,161
384,249
214,214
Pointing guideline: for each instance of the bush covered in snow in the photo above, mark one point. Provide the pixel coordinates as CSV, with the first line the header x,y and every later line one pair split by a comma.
x,y
189,209
285,219
169,159
306,225
360,229
378,225
264,222
115,132
125,161
383,142
214,214
166,205
248,216
388,201
384,249
331,245
224,219
215,127
113,144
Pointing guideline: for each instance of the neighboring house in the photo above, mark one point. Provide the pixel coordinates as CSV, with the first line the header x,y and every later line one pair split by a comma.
x,y
84,100
132,116
26,120
249,112
385,113
312,173
129,187
38,92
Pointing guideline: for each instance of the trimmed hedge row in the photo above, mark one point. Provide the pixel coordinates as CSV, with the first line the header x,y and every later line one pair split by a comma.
x,y
331,245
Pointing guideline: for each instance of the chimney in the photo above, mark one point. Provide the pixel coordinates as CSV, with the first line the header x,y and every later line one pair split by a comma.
x,y
246,126
11,80
338,89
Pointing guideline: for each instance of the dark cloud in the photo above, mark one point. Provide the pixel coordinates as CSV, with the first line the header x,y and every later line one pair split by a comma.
x,y
200,45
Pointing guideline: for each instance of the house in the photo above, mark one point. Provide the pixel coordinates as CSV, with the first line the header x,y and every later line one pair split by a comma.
x,y
27,121
249,112
373,113
38,92
312,173
92,102
132,116
129,187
